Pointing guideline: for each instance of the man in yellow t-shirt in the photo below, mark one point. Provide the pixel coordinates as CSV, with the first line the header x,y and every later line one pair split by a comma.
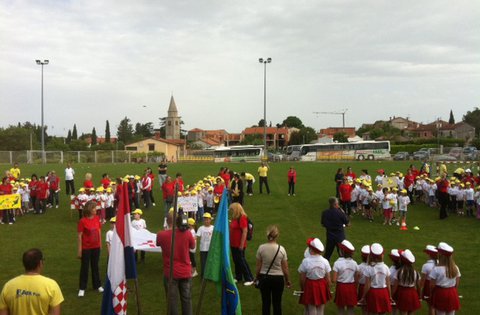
x,y
31,293
15,171
263,175
250,180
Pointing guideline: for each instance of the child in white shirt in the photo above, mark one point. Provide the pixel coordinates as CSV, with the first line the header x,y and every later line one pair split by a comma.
x,y
109,235
469,198
205,233
191,226
138,223
403,202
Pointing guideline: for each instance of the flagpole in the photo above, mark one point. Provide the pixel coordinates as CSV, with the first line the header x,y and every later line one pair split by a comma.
x,y
137,297
202,291
172,250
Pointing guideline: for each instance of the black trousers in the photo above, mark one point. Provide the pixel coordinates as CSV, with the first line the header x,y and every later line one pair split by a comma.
x,y
242,270
147,198
54,200
443,200
291,187
264,180
272,290
331,244
70,187
90,257
249,186
203,262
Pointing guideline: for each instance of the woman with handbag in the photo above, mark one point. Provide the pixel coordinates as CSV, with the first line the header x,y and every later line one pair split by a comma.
x,y
272,272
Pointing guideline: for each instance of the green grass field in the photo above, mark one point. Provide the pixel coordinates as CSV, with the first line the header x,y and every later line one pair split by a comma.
x,y
298,218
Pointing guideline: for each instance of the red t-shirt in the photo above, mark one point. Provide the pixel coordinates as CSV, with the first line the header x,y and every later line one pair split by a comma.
x,y
152,177
105,182
345,191
226,178
168,189
352,175
42,189
5,189
409,180
90,229
54,182
292,176
236,227
182,267
87,184
33,188
180,183
218,189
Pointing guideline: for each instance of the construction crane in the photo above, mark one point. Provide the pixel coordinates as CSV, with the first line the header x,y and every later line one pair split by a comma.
x,y
342,112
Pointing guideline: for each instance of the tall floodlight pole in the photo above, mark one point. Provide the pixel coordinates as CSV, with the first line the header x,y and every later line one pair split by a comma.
x,y
265,61
42,63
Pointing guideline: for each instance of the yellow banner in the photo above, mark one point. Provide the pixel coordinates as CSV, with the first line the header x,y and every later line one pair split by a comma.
x,y
13,201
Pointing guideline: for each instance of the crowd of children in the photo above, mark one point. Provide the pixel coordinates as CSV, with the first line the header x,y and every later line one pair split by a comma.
x,y
374,286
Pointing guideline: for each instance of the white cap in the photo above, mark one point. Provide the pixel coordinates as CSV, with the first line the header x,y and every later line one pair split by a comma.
x,y
394,253
376,249
468,170
431,249
347,246
407,255
366,250
316,244
444,249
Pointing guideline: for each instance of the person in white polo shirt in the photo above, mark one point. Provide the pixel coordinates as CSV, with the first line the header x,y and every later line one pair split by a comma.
x,y
345,275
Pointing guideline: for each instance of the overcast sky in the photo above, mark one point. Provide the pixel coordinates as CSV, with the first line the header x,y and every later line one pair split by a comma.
x,y
109,59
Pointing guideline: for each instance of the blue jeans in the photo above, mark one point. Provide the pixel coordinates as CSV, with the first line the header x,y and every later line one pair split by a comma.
x,y
184,287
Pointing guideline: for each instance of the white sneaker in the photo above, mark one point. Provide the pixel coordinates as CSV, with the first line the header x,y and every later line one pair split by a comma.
x,y
194,274
153,204
81,293
248,283
235,280
100,289
56,207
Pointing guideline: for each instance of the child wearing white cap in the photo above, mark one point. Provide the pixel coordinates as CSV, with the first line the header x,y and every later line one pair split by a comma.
x,y
445,278
139,224
407,284
315,279
377,293
361,276
427,267
345,275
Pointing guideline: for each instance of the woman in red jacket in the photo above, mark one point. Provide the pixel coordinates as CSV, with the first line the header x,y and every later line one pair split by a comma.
x,y
32,186
7,216
292,180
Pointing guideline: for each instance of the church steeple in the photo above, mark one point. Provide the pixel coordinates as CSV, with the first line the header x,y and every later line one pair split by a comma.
x,y
172,126
172,108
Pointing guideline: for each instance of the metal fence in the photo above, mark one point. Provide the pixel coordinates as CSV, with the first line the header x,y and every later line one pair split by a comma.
x,y
35,157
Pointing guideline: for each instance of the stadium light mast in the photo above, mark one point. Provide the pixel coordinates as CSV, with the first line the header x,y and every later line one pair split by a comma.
x,y
42,63
265,61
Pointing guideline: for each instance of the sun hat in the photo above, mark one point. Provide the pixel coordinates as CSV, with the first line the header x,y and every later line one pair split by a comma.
x,y
315,244
394,254
376,249
365,250
444,249
431,250
346,246
207,215
408,257
191,221
113,219
140,212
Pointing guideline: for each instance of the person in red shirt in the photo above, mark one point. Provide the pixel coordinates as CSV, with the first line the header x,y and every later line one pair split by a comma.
x,y
182,267
409,182
218,191
147,190
225,175
238,243
7,215
292,180
32,187
89,242
179,181
105,181
168,193
345,191
152,177
350,174
42,196
54,187
88,183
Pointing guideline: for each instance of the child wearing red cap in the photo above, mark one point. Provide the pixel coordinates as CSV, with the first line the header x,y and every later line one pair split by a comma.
x,y
406,285
315,278
345,275
377,293
444,280
427,267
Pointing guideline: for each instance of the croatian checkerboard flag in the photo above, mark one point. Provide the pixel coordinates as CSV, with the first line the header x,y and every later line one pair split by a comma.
x,y
121,263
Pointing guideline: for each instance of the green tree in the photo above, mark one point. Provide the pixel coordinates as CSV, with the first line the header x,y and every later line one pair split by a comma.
x,y
254,139
309,134
293,122
107,132
451,120
261,123
94,136
295,138
57,143
69,136
163,123
125,130
15,139
78,145
74,132
473,118
340,137
144,130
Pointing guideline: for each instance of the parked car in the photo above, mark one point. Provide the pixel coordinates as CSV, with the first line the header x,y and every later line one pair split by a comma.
x,y
423,153
401,156
275,157
444,157
471,153
456,152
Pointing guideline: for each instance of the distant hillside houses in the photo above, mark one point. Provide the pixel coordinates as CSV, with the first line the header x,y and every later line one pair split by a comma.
x,y
410,129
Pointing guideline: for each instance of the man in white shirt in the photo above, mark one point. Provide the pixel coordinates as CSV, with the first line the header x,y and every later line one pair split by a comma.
x,y
69,180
